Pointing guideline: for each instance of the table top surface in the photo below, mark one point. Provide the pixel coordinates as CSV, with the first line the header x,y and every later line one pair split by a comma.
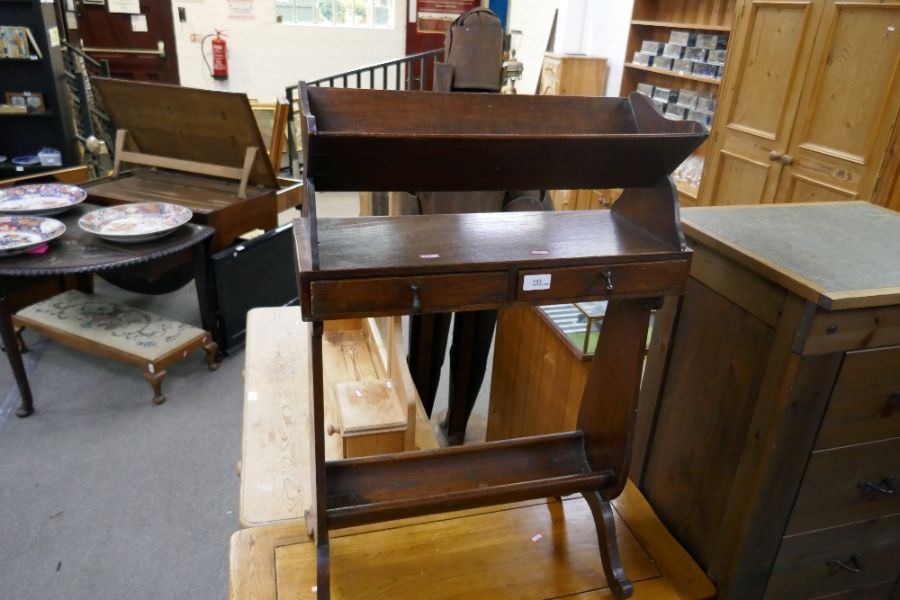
x,y
838,254
534,549
78,251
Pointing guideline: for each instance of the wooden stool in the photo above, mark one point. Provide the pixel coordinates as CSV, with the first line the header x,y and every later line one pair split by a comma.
x,y
100,326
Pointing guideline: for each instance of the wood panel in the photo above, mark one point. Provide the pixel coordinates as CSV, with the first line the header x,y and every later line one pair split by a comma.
x,y
849,104
533,362
188,124
689,488
571,75
769,51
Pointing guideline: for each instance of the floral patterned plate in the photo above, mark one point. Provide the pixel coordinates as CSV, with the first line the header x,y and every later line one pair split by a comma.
x,y
40,198
19,234
132,223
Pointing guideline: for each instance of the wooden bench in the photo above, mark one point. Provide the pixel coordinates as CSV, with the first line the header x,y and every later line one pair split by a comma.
x,y
96,324
275,459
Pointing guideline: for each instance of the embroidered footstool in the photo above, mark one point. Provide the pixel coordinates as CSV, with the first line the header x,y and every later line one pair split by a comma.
x,y
98,325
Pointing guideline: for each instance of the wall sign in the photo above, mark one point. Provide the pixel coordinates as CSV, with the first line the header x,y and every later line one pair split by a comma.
x,y
129,7
435,16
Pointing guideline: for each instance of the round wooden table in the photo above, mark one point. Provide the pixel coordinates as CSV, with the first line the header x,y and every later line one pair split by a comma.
x,y
78,254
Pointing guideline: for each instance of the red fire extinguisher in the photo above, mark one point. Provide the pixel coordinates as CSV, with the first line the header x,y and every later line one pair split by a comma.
x,y
219,67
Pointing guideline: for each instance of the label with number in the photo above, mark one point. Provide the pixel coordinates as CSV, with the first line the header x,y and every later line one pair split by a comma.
x,y
536,282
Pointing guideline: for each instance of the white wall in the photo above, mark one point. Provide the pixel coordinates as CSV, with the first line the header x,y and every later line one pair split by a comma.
x,y
593,27
265,56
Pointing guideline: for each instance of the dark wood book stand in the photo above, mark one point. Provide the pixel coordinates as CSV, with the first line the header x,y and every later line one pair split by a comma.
x,y
632,255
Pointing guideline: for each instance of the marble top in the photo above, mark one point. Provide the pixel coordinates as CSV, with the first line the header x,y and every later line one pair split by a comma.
x,y
836,254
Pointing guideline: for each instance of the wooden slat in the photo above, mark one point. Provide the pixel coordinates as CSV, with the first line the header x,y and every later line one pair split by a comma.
x,y
367,490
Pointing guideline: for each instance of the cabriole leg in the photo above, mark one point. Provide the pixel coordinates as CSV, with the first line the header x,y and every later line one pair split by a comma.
x,y
605,522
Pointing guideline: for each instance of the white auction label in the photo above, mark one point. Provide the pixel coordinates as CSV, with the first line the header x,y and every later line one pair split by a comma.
x,y
536,282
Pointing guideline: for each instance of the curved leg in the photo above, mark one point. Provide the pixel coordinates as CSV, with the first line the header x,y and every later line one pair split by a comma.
x,y
618,583
20,340
212,356
155,380
8,336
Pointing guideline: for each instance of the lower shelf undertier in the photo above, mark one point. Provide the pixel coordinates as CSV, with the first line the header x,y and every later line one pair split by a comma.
x,y
381,488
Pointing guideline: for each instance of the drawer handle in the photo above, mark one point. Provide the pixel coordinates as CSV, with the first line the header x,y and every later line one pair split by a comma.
x,y
416,303
607,277
886,486
852,565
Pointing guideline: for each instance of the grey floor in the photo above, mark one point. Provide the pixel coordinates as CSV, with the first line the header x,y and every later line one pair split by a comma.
x,y
104,495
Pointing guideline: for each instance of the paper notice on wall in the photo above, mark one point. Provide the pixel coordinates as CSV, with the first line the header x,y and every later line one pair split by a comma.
x,y
53,34
71,20
242,9
130,7
139,23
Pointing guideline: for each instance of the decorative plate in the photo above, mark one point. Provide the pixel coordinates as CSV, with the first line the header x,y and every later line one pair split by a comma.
x,y
26,161
132,223
20,234
40,198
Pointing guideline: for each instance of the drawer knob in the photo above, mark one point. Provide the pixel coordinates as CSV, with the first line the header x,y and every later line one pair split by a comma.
x,y
608,279
416,303
885,487
851,565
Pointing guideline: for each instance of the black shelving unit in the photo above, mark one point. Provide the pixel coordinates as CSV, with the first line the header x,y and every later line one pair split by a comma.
x,y
27,133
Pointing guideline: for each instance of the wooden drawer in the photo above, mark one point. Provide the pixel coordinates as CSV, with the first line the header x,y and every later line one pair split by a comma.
x,y
583,283
879,591
806,564
341,298
834,489
865,404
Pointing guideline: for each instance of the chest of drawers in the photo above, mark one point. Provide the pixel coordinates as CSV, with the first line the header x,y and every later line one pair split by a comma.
x,y
776,450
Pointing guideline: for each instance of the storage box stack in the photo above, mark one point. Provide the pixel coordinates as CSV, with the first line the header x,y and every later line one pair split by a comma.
x,y
686,52
680,104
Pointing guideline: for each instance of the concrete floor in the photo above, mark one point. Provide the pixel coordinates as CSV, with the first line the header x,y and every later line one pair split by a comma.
x,y
105,495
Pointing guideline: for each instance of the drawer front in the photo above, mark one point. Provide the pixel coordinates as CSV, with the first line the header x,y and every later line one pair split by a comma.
x,y
879,591
614,281
344,298
847,485
810,565
865,404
